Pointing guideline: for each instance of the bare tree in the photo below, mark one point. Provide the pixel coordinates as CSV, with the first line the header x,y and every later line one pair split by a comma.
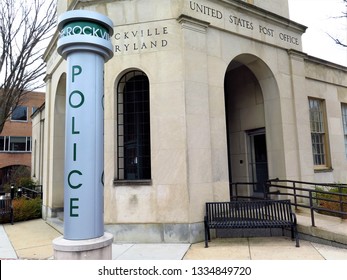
x,y
338,41
25,27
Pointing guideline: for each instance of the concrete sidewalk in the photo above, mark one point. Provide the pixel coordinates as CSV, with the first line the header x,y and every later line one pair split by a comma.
x,y
263,248
33,240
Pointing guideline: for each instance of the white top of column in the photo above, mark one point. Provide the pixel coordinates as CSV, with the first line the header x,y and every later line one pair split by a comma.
x,y
85,30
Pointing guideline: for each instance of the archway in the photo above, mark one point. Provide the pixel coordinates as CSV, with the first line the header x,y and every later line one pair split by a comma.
x,y
11,174
251,92
57,183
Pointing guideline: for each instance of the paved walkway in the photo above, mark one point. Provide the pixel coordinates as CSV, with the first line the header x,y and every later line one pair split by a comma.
x,y
33,240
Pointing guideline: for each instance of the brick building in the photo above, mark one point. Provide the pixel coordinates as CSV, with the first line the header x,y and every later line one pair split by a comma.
x,y
15,139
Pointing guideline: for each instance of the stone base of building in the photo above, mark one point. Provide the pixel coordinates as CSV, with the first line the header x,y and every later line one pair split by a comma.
x,y
48,212
157,233
89,249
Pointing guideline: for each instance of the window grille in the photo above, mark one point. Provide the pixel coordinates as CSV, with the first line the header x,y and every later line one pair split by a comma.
x,y
318,133
344,122
133,127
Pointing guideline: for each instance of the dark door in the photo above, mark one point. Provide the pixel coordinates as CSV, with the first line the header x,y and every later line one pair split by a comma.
x,y
258,161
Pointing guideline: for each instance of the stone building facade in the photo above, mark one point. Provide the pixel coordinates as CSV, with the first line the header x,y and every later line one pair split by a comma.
x,y
200,94
38,128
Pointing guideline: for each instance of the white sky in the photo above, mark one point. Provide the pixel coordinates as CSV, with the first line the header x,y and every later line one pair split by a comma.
x,y
318,15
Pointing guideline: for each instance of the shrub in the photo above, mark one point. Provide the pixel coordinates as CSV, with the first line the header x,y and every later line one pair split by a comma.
x,y
6,188
26,182
25,209
332,205
19,172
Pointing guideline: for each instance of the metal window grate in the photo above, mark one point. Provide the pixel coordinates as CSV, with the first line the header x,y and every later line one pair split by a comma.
x,y
317,123
344,122
133,127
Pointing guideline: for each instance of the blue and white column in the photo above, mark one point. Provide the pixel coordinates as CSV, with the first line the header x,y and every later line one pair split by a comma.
x,y
85,43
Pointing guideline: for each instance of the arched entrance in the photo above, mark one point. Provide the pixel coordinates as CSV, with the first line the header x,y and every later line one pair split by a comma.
x,y
250,92
57,185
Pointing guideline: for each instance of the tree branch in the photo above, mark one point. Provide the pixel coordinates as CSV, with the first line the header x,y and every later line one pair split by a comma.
x,y
25,27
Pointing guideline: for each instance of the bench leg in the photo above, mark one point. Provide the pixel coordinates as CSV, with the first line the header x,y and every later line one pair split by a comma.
x,y
297,238
292,233
295,235
207,236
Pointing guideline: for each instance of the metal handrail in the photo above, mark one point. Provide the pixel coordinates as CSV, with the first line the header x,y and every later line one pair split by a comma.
x,y
30,193
310,193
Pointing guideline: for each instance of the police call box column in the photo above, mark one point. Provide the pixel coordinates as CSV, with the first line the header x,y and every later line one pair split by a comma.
x,y
84,41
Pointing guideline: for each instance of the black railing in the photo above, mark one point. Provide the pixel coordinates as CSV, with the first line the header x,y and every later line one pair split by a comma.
x,y
313,196
30,193
235,193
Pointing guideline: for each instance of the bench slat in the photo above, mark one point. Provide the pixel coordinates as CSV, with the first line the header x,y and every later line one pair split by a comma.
x,y
250,214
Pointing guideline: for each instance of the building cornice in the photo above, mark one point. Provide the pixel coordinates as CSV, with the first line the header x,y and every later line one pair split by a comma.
x,y
264,14
326,63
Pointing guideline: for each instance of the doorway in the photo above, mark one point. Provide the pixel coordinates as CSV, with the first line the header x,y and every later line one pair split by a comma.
x,y
252,124
257,160
246,138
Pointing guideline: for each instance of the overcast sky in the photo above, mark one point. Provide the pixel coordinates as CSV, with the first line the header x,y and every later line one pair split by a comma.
x,y
318,16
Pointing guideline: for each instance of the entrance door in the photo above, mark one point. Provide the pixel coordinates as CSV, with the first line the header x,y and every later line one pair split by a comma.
x,y
258,160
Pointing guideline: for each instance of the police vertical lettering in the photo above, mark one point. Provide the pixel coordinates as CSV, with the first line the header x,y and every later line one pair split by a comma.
x,y
76,100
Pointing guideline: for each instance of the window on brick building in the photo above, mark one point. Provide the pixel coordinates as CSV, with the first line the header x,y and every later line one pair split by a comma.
x,y
20,114
15,144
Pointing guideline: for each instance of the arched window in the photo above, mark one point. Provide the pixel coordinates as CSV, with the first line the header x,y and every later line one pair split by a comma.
x,y
133,127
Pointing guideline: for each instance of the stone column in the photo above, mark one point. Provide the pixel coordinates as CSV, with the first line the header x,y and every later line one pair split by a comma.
x,y
84,42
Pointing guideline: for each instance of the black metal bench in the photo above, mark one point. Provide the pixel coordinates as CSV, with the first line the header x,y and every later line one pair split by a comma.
x,y
251,215
6,206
